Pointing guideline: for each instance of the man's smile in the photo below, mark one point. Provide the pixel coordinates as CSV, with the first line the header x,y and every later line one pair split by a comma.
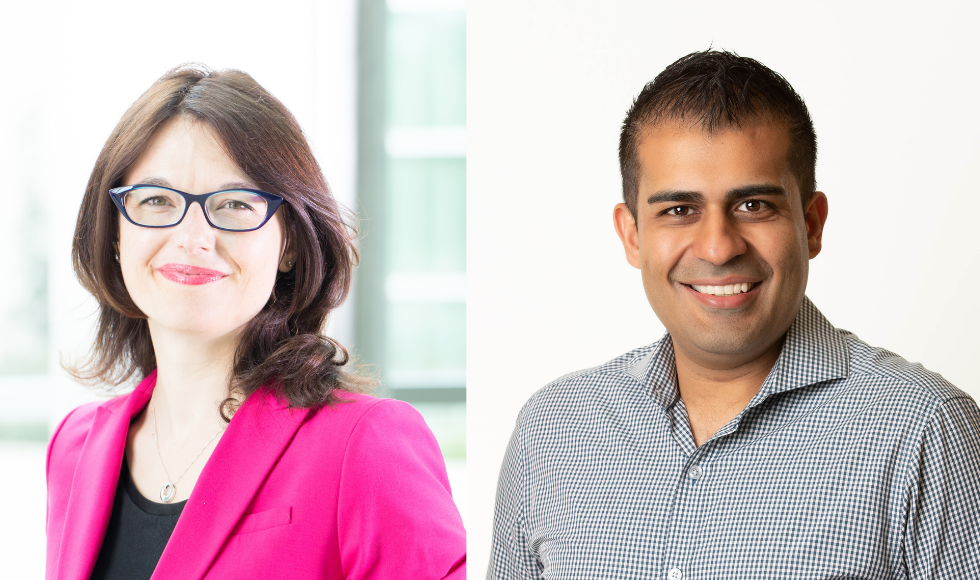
x,y
724,290
731,295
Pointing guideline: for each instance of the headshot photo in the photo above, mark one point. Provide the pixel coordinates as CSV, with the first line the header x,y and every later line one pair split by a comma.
x,y
430,289
703,234
235,337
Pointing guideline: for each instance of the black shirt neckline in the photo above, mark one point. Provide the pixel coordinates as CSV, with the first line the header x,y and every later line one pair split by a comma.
x,y
147,505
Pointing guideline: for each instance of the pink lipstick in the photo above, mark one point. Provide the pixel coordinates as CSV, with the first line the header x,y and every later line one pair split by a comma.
x,y
190,275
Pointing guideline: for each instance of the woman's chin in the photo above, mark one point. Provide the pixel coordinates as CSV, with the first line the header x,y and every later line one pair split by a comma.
x,y
205,325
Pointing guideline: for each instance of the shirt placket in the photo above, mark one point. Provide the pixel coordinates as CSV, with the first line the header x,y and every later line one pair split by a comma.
x,y
684,521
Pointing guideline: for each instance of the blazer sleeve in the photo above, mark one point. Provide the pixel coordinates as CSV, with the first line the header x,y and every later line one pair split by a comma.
x,y
62,461
396,515
47,469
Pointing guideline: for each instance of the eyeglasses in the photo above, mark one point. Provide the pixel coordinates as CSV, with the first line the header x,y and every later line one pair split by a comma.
x,y
231,210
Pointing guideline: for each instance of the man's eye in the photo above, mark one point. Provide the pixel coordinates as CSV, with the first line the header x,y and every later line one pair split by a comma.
x,y
678,211
752,206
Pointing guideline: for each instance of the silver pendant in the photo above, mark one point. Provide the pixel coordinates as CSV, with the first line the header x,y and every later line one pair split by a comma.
x,y
167,492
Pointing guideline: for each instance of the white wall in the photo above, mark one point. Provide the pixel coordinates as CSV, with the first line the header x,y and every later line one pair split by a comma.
x,y
892,91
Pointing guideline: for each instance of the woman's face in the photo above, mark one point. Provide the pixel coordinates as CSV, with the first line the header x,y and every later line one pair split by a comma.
x,y
166,269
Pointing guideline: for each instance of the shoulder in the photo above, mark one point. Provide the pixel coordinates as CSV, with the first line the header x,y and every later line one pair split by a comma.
x,y
364,428
389,425
390,455
70,435
603,385
396,515
64,452
355,413
893,378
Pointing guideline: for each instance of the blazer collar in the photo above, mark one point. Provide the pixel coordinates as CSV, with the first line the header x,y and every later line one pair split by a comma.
x,y
258,434
94,485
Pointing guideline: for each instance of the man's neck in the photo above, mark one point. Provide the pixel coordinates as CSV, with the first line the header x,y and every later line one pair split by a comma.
x,y
715,395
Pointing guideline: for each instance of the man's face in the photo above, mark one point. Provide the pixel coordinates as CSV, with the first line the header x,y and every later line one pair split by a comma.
x,y
721,238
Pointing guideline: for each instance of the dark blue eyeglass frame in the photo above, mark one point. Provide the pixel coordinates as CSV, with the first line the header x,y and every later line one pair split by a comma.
x,y
117,194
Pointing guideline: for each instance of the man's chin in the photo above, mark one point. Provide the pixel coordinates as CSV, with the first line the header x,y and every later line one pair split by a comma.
x,y
723,345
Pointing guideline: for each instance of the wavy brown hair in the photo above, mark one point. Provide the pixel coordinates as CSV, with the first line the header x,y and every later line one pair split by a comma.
x,y
283,346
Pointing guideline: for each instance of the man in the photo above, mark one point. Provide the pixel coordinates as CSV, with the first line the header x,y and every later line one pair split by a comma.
x,y
754,440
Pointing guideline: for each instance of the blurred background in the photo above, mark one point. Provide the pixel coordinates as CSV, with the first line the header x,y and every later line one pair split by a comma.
x,y
379,88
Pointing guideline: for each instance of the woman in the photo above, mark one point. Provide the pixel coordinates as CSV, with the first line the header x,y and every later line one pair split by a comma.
x,y
210,240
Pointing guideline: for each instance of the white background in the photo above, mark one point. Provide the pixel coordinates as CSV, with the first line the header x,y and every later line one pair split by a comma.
x,y
892,88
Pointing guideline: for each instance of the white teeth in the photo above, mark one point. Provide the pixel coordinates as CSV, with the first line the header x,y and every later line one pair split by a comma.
x,y
726,290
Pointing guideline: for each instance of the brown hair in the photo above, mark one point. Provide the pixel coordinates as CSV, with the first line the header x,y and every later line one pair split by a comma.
x,y
717,89
282,346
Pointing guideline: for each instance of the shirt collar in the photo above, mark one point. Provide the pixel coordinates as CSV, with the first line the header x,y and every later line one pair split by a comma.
x,y
813,352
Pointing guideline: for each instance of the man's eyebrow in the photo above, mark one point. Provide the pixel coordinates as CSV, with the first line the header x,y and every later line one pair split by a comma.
x,y
752,191
675,196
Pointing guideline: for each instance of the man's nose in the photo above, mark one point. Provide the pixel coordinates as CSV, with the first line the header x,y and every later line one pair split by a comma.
x,y
194,233
718,240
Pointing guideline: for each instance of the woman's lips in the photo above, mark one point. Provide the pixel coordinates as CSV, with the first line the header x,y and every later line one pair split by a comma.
x,y
190,275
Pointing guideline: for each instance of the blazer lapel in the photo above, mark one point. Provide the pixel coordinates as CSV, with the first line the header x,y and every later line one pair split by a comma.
x,y
94,485
258,434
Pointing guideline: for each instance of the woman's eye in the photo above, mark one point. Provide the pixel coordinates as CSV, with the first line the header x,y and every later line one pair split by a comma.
x,y
156,200
232,204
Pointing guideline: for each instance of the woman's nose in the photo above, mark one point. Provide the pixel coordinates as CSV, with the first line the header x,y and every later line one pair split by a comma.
x,y
194,233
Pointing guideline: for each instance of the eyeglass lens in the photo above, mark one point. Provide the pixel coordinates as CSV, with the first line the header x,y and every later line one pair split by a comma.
x,y
233,210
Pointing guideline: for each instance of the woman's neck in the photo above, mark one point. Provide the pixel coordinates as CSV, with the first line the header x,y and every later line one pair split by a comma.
x,y
193,375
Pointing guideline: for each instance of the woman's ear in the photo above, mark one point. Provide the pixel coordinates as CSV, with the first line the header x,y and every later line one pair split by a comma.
x,y
288,258
287,262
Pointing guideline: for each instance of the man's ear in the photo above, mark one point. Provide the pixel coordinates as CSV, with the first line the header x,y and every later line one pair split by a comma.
x,y
815,215
626,228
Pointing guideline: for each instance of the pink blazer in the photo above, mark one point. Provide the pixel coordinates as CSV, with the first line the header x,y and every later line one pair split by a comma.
x,y
357,490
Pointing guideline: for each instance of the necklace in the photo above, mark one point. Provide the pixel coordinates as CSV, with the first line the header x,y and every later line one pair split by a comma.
x,y
169,490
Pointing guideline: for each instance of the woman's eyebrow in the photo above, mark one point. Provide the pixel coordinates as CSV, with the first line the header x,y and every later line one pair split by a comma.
x,y
159,181
237,185
154,181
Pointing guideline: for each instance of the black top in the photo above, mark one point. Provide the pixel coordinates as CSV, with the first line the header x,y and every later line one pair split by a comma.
x,y
137,534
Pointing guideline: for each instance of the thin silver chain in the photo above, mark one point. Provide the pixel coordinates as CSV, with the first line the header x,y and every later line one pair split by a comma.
x,y
157,437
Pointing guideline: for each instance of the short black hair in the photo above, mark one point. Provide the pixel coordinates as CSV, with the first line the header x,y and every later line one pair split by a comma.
x,y
718,89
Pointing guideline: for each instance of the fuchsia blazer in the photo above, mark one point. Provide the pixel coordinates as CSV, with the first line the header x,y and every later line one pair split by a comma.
x,y
357,490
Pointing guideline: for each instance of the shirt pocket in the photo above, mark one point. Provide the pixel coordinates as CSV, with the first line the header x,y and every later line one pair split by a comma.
x,y
263,520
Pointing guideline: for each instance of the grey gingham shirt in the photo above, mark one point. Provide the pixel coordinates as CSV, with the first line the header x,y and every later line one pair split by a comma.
x,y
850,462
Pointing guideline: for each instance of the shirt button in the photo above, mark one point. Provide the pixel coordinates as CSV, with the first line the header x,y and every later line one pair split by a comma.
x,y
675,574
695,473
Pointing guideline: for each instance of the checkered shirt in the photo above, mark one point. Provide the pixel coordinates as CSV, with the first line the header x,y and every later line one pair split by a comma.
x,y
850,462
